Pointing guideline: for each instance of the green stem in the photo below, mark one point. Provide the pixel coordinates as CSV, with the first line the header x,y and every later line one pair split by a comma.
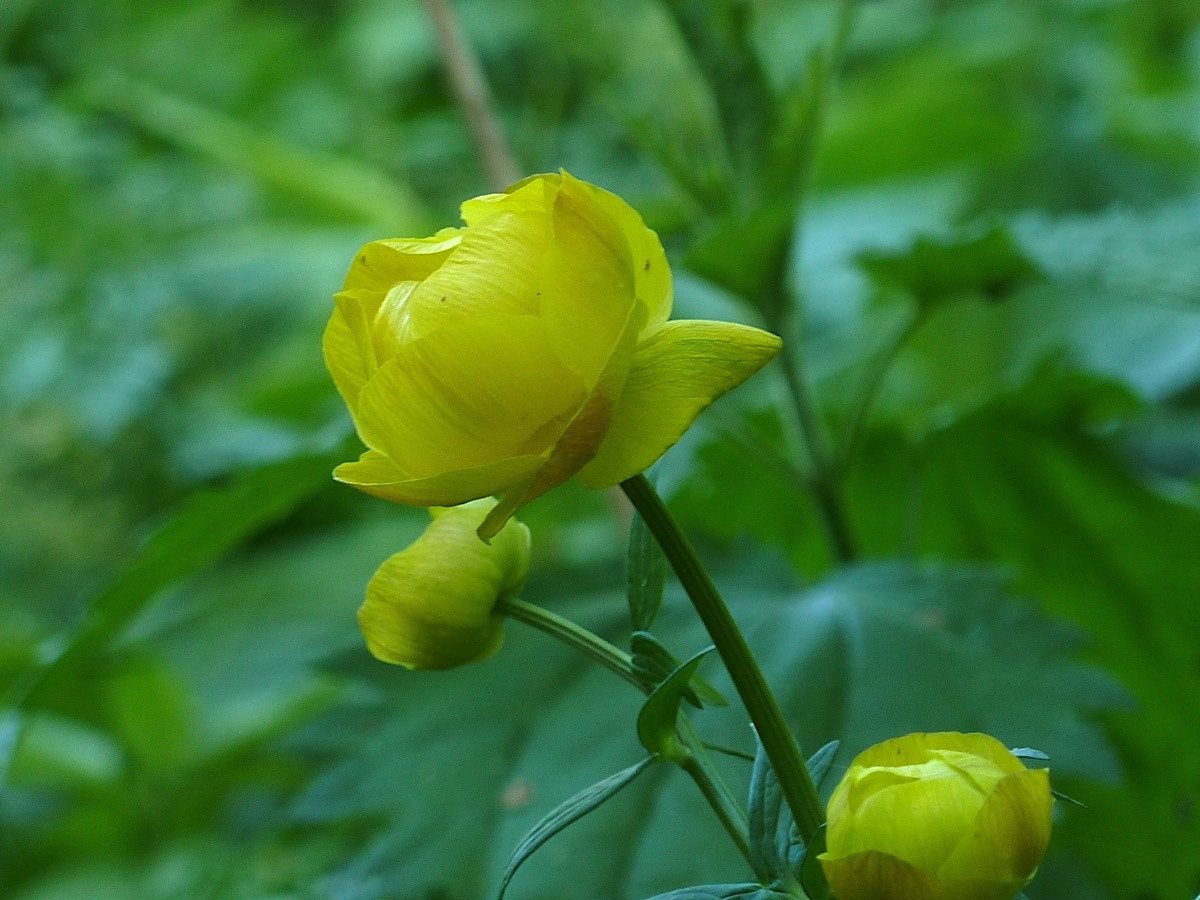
x,y
573,635
780,745
697,764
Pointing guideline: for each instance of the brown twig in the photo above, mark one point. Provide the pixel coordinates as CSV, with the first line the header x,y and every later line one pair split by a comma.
x,y
471,91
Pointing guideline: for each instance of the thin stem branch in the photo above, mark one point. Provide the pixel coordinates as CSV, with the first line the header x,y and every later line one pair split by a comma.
x,y
873,383
780,745
697,763
473,96
824,472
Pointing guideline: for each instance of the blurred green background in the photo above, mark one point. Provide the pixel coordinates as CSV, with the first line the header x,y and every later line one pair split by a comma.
x,y
988,216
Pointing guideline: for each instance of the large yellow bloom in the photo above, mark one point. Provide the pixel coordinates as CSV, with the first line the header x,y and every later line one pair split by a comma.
x,y
936,817
432,605
530,346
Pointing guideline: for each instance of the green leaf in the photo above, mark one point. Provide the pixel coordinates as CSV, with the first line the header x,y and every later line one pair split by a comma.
x,y
763,820
718,34
647,575
567,813
341,186
657,720
935,271
653,662
724,892
821,762
207,526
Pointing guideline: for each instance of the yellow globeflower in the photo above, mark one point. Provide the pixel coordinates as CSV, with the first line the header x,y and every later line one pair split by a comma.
x,y
431,606
530,346
936,817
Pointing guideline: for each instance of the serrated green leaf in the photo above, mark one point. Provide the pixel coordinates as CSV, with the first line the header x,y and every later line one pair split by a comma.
x,y
646,568
934,271
657,720
570,811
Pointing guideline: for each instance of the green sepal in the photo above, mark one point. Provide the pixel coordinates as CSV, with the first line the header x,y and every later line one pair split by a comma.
x,y
646,573
567,813
660,713
653,662
1024,753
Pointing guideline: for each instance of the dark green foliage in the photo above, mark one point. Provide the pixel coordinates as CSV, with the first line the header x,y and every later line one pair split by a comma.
x,y
187,709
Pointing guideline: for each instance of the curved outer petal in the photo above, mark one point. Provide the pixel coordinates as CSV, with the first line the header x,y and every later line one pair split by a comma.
x,y
348,349
375,474
431,605
916,813
464,398
1011,832
380,264
918,747
872,875
652,274
675,373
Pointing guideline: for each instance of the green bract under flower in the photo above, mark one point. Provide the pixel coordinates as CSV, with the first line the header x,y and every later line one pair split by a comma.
x,y
531,346
936,817
431,606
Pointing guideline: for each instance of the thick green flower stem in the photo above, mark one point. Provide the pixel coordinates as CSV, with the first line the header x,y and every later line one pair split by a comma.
x,y
697,763
780,745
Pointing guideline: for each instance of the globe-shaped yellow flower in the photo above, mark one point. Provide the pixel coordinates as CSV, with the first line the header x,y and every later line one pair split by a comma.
x,y
432,605
936,817
531,346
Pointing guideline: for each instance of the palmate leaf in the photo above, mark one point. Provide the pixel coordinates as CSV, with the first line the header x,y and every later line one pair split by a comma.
x,y
519,732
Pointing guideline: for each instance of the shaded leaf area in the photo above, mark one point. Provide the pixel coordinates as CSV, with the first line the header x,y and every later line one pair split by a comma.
x,y
1020,483
506,736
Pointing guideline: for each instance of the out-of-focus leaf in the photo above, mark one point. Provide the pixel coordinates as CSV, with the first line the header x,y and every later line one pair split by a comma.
x,y
342,186
717,32
209,524
934,271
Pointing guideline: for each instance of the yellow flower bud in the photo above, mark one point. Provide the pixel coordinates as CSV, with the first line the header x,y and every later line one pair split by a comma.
x,y
936,817
431,606
531,346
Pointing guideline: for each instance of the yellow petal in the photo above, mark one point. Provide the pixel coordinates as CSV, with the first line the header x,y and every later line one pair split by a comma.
x,y
674,375
348,349
585,288
380,264
652,275
872,875
533,194
919,747
918,813
1011,832
466,397
431,605
375,474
